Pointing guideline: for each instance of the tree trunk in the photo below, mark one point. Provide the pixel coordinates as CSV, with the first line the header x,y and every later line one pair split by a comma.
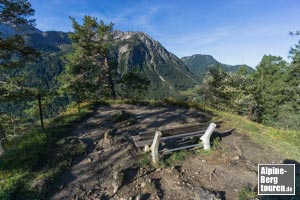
x,y
109,80
250,112
41,112
78,107
2,139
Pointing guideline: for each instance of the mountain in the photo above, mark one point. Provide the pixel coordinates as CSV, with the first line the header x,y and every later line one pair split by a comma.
x,y
167,73
48,41
199,64
7,30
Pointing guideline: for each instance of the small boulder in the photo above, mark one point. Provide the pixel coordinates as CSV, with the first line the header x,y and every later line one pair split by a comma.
x,y
205,194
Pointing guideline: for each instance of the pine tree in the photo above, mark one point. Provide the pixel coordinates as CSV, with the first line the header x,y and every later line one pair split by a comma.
x,y
213,86
134,84
13,51
88,71
289,111
271,87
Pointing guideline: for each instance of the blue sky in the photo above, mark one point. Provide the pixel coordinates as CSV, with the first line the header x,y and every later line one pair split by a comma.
x,y
233,31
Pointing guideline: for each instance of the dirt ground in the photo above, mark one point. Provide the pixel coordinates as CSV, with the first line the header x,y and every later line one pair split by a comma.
x,y
227,169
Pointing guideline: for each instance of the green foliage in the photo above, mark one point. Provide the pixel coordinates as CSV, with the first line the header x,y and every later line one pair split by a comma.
x,y
16,12
270,95
270,85
213,86
134,84
39,157
14,52
246,194
171,159
88,73
144,160
231,90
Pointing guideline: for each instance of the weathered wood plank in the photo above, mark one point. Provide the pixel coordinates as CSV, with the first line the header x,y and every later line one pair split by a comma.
x,y
178,130
149,141
180,148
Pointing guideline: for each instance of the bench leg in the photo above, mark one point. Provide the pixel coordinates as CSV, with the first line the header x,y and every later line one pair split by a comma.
x,y
206,137
147,148
154,147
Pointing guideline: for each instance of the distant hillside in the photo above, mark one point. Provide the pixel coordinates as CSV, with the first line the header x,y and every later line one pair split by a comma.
x,y
167,73
7,30
199,64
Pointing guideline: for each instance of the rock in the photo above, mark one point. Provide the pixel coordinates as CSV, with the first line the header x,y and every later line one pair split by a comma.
x,y
118,178
236,158
158,170
40,185
138,197
143,184
130,121
205,194
107,134
72,146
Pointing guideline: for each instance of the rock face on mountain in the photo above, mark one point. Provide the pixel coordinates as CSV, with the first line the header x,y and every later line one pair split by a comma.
x,y
167,73
199,64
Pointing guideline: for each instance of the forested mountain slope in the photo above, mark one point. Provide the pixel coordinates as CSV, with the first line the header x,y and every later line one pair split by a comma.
x,y
167,73
199,64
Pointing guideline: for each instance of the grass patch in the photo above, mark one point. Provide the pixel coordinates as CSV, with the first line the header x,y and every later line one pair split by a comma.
x,y
215,144
284,141
247,194
144,160
172,158
28,168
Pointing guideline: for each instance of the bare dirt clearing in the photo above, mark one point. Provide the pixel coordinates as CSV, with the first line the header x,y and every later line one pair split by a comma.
x,y
229,168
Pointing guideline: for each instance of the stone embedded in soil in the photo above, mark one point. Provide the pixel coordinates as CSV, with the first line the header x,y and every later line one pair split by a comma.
x,y
236,158
138,197
205,194
143,184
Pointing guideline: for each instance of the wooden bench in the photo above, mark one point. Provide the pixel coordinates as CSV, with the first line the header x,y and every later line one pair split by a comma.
x,y
202,131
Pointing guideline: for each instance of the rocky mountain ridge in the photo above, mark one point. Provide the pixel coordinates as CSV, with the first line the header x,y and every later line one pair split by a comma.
x,y
168,74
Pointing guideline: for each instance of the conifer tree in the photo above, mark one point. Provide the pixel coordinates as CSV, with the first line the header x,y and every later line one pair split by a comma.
x,y
270,86
13,51
88,71
134,84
